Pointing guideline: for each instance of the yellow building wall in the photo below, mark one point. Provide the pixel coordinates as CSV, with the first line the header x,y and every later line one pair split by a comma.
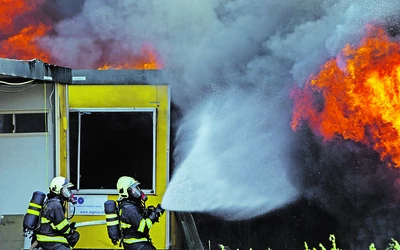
x,y
61,119
125,96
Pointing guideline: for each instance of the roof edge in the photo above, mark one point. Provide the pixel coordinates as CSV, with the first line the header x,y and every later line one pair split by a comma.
x,y
34,69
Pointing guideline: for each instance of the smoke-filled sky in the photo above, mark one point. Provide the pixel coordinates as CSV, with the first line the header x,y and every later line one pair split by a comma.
x,y
231,65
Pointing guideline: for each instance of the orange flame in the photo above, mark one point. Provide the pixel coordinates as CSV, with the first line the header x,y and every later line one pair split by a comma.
x,y
10,10
21,39
21,30
358,96
146,59
23,45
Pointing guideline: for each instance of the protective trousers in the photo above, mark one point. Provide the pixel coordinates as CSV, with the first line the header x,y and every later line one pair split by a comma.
x,y
139,246
72,239
54,246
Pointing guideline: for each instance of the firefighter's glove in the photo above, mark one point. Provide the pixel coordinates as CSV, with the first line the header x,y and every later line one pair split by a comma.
x,y
72,226
153,216
150,209
73,238
159,210
155,213
115,242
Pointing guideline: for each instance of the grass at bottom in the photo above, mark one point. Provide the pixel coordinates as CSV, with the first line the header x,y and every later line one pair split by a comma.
x,y
394,245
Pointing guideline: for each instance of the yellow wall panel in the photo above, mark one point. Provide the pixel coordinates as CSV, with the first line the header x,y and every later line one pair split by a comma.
x,y
127,96
96,96
62,118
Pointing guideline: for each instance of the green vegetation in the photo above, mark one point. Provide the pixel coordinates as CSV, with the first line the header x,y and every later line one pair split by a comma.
x,y
394,245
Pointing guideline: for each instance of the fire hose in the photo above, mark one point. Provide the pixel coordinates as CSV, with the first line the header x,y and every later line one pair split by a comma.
x,y
90,223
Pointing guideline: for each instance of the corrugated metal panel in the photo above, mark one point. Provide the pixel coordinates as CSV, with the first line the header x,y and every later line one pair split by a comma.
x,y
33,69
119,77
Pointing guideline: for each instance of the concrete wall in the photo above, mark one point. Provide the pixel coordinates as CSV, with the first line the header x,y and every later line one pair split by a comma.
x,y
11,236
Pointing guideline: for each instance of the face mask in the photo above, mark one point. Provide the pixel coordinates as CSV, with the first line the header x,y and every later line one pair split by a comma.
x,y
67,194
136,192
72,199
143,197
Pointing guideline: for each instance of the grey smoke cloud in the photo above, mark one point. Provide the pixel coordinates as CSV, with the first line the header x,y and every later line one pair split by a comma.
x,y
231,65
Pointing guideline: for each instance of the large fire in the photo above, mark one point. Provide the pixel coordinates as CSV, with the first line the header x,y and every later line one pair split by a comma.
x,y
357,96
22,25
146,59
18,35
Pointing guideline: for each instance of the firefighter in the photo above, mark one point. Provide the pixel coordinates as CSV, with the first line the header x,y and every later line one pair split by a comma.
x,y
135,219
55,232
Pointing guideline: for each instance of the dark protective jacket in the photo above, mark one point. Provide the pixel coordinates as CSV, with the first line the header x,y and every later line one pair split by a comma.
x,y
55,232
135,226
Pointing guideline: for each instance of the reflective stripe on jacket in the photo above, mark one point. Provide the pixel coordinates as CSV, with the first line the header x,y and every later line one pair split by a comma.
x,y
135,227
45,238
54,226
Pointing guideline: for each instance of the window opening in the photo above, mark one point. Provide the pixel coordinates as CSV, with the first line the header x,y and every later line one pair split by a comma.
x,y
106,144
30,123
23,122
6,123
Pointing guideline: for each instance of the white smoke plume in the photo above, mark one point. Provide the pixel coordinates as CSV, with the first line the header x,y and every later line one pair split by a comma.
x,y
231,65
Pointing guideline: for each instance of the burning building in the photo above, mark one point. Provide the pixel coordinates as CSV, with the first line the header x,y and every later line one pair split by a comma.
x,y
287,126
92,126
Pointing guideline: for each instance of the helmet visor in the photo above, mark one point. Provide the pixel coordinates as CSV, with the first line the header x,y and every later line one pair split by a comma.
x,y
135,191
66,192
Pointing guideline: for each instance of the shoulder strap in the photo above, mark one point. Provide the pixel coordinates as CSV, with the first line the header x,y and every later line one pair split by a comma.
x,y
119,211
39,224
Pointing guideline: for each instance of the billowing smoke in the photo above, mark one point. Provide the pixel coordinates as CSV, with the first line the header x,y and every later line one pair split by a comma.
x,y
231,65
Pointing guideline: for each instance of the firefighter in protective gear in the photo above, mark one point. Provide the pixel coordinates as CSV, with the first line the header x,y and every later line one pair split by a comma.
x,y
55,232
135,219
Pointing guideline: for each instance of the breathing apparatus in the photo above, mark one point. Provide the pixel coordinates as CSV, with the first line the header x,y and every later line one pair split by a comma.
x,y
59,186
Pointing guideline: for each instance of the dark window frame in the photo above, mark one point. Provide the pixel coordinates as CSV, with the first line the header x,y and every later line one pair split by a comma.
x,y
77,182
14,126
